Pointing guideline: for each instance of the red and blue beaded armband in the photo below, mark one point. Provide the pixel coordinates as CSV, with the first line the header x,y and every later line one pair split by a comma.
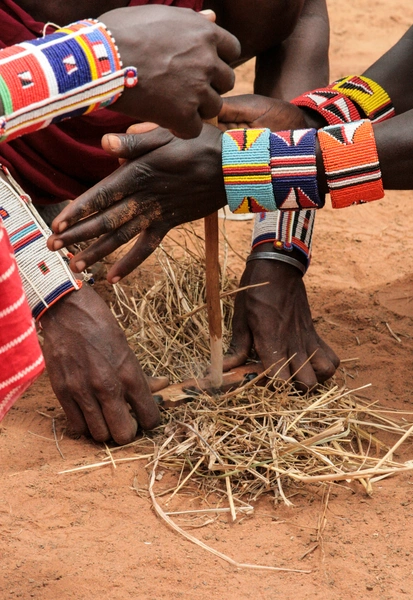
x,y
74,71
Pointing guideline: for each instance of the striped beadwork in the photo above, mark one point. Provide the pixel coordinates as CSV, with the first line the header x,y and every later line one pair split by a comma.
x,y
369,95
294,170
351,163
45,275
71,72
335,107
246,169
287,230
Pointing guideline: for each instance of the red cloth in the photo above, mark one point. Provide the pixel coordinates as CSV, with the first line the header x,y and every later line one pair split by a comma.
x,y
21,358
64,160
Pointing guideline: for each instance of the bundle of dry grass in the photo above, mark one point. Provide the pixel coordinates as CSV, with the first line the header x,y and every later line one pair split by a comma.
x,y
256,439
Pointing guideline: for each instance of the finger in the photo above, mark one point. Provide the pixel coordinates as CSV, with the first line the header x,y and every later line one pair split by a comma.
x,y
329,352
140,398
228,47
211,105
113,188
322,366
100,223
209,14
107,243
241,341
188,125
302,373
223,79
122,426
94,418
139,128
76,421
147,242
134,145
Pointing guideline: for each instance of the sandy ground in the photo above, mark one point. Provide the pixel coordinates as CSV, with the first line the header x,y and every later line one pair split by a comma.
x,y
90,536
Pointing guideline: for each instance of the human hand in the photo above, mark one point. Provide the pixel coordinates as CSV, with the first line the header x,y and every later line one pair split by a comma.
x,y
169,182
275,319
182,59
253,111
93,372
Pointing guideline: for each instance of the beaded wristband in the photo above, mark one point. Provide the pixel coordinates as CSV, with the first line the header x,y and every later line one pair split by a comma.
x,y
45,275
351,163
335,107
294,169
246,169
287,231
74,71
368,94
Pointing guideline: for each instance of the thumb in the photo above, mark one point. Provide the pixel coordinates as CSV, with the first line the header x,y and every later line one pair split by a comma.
x,y
209,14
132,145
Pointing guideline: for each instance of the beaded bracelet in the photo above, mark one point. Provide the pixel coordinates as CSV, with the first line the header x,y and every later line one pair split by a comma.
x,y
369,95
246,169
74,71
294,169
264,171
351,163
334,106
45,275
287,231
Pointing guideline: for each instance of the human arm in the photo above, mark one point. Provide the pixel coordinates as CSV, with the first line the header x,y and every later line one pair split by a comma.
x,y
299,62
181,58
91,367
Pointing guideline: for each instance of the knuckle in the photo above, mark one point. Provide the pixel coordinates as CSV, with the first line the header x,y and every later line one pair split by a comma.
x,y
108,222
102,198
123,235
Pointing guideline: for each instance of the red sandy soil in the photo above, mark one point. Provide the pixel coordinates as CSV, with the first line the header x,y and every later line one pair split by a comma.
x,y
90,536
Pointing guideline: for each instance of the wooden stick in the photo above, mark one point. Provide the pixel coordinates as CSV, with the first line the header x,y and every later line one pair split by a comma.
x,y
213,294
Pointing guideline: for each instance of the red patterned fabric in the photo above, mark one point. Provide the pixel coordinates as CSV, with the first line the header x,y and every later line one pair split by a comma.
x,y
21,358
64,160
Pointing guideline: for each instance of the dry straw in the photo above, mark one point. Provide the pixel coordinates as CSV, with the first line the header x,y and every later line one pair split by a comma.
x,y
258,439
235,447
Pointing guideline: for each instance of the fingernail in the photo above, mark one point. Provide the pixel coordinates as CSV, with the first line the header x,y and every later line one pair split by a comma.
x,y
207,12
80,265
115,280
58,244
114,142
62,226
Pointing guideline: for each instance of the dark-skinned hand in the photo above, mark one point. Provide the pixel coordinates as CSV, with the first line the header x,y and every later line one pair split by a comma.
x,y
254,111
166,182
182,59
93,372
275,320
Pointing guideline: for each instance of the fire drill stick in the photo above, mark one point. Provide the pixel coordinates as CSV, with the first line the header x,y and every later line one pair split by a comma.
x,y
213,300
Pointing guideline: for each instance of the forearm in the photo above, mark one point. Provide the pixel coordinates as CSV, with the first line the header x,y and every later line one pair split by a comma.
x,y
300,63
393,71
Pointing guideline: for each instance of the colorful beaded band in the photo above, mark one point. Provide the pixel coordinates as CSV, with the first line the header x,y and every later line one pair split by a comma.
x,y
287,231
246,169
294,169
368,94
335,107
351,163
45,275
74,71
